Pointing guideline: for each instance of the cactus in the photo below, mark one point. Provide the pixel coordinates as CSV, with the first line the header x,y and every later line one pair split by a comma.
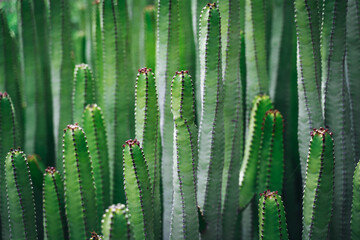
x,y
80,193
115,223
147,131
248,171
97,53
83,90
20,196
94,128
355,210
319,185
8,128
139,198
211,130
257,79
149,35
307,19
184,219
55,226
272,221
233,112
10,74
271,155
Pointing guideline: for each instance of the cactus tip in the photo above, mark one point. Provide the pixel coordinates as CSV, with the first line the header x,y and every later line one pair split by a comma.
x,y
182,72
145,70
211,5
321,131
268,194
131,142
72,126
50,170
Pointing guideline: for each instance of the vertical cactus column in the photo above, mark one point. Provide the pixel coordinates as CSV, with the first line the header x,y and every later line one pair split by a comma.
x,y
248,171
20,197
139,198
167,62
355,210
97,51
147,131
336,107
83,90
94,128
271,157
184,219
257,79
7,128
272,220
115,223
10,72
80,194
233,112
307,19
55,226
319,185
211,130
149,36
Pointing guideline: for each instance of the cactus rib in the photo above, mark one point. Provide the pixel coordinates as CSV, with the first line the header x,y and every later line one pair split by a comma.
x,y
115,223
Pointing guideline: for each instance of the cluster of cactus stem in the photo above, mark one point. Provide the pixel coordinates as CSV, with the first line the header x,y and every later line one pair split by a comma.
x,y
156,153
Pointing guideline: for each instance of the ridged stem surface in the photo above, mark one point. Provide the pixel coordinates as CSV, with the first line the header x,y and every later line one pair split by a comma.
x,y
272,220
80,193
83,90
355,210
20,197
211,130
138,190
54,209
248,170
115,223
147,131
318,195
94,127
150,36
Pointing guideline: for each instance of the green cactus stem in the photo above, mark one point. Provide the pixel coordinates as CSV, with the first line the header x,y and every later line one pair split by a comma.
x,y
147,131
115,223
149,36
271,157
83,90
185,221
233,112
94,128
307,19
211,130
97,51
257,79
355,211
272,221
80,193
55,226
10,72
20,197
336,106
248,171
8,128
138,190
319,185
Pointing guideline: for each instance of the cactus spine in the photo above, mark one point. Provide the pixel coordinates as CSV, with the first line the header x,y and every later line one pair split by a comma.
x,y
211,130
94,127
80,193
53,202
115,223
139,198
271,155
7,128
83,90
184,219
147,131
272,221
248,171
319,185
20,197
